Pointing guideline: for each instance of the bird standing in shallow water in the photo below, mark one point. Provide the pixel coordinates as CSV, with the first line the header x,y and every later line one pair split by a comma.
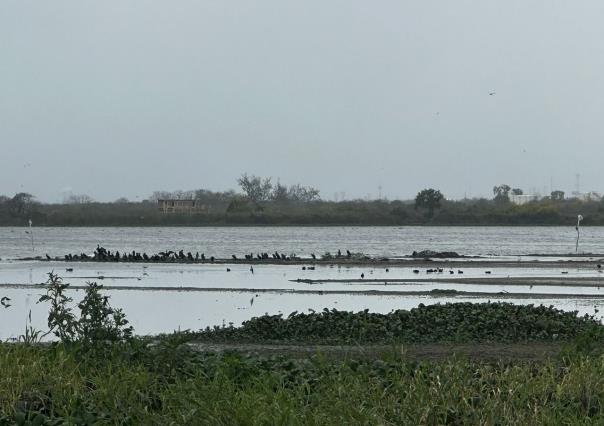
x,y
252,269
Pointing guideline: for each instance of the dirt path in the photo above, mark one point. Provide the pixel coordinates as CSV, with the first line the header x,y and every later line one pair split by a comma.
x,y
426,352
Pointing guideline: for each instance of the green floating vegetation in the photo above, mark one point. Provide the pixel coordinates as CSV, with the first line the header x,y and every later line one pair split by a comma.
x,y
451,322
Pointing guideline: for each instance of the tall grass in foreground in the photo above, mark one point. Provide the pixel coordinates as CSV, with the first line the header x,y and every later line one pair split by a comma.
x,y
99,373
51,385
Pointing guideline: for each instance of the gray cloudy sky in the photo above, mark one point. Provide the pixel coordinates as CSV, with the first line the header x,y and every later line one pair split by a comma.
x,y
119,98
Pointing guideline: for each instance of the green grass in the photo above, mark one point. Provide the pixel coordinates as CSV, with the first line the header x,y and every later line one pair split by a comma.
x,y
172,385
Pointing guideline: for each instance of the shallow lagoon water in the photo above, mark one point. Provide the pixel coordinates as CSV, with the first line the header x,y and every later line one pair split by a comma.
x,y
269,276
373,241
154,311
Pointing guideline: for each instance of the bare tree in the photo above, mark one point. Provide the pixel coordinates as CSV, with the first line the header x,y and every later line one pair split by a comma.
x,y
304,194
280,193
78,199
256,188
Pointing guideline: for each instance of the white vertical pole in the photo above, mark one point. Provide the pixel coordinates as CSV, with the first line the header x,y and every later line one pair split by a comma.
x,y
31,236
579,219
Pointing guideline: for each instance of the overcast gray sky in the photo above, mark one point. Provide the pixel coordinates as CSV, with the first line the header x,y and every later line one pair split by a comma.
x,y
119,98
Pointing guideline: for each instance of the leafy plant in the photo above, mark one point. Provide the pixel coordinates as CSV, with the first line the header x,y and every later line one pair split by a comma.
x,y
98,322
451,322
61,320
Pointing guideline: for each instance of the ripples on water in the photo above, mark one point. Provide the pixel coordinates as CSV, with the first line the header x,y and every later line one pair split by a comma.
x,y
373,241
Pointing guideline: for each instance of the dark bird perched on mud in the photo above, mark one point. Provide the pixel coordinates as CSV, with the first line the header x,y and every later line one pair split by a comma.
x,y
228,269
362,275
313,256
348,254
234,257
47,256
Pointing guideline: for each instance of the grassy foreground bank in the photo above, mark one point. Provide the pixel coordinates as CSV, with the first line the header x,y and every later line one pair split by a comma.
x,y
99,373
172,385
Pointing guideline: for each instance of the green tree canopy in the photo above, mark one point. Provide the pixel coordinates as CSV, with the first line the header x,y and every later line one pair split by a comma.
x,y
428,199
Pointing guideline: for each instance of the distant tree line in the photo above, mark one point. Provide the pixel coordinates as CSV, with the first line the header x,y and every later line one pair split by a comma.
x,y
263,202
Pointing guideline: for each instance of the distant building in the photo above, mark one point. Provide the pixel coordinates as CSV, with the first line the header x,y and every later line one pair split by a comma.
x,y
523,199
181,206
587,196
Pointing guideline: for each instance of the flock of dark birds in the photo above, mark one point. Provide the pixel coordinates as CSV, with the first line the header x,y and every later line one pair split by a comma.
x,y
101,254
